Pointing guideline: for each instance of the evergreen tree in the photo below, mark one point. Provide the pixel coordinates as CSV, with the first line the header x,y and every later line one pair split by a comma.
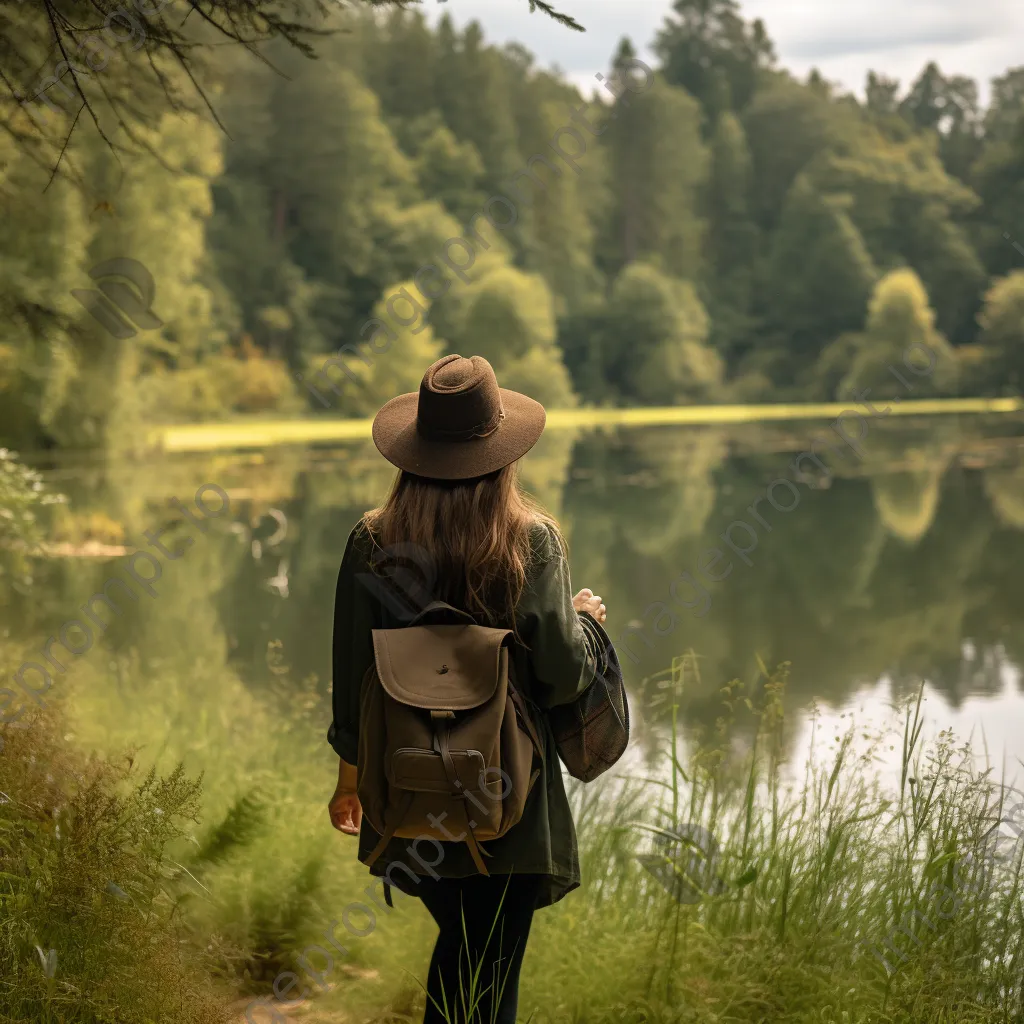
x,y
404,73
658,164
907,207
327,202
555,233
882,95
787,125
1006,108
451,172
473,94
950,108
818,277
941,253
998,178
732,237
581,337
399,368
716,56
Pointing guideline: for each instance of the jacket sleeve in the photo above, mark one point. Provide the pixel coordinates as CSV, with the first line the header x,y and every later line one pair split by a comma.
x,y
354,620
563,653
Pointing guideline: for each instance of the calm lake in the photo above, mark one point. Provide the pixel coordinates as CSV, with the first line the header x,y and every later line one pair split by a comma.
x,y
899,565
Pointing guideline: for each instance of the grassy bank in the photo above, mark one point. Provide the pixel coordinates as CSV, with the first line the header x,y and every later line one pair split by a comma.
x,y
253,433
792,918
789,919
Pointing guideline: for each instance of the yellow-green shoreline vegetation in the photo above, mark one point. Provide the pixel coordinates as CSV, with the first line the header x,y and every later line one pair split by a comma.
x,y
264,433
816,872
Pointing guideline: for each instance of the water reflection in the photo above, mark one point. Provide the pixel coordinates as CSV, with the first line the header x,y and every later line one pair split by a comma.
x,y
907,566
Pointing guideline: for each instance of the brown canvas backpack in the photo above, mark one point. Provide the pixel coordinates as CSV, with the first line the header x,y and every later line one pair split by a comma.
x,y
447,744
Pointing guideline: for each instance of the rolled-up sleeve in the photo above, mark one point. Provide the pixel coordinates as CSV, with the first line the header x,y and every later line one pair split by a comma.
x,y
352,650
563,653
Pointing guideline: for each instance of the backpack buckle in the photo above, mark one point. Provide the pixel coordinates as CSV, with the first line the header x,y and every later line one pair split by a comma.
x,y
441,716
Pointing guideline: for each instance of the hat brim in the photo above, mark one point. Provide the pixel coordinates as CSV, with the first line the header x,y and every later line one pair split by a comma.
x,y
397,438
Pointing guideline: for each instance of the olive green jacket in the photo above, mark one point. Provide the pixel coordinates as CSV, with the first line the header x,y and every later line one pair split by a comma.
x,y
553,661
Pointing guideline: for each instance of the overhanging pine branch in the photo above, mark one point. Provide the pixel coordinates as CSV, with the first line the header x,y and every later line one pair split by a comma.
x,y
565,19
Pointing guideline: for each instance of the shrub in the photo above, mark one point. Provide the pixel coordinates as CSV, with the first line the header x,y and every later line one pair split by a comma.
x,y
21,496
89,930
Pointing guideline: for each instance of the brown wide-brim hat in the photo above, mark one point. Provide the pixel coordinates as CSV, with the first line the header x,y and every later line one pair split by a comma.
x,y
459,424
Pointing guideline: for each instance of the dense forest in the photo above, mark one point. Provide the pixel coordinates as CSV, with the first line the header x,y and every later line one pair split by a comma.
x,y
730,234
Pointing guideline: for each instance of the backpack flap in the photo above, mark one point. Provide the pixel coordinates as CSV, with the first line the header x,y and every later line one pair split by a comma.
x,y
442,668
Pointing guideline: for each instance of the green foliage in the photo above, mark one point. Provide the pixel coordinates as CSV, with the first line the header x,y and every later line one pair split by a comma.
x,y
449,170
787,920
651,341
1002,330
555,230
819,275
949,107
244,820
658,164
220,386
393,364
22,494
787,126
90,930
666,359
733,239
907,208
507,316
998,178
773,205
712,53
475,100
900,333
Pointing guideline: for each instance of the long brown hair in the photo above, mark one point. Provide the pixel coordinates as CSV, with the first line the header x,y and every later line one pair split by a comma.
x,y
475,535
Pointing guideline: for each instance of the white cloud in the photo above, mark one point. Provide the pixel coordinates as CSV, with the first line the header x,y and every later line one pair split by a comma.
x,y
980,38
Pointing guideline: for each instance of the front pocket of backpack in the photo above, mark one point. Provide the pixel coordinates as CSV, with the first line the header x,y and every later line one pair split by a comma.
x,y
417,770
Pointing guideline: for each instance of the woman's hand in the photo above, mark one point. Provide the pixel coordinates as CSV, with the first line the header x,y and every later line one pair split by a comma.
x,y
588,601
346,812
345,809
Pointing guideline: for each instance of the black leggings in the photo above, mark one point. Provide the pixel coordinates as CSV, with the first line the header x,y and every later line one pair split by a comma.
x,y
485,922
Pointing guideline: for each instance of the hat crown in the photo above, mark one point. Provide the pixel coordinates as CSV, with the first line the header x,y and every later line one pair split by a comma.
x,y
459,399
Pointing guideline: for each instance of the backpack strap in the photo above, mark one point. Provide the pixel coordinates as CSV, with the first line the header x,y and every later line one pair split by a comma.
x,y
476,851
390,829
528,723
440,721
447,610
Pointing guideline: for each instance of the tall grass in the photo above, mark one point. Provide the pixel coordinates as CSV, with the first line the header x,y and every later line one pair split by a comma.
x,y
809,878
787,920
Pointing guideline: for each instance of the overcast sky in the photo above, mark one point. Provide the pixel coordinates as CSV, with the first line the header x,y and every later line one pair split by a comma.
x,y
980,38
